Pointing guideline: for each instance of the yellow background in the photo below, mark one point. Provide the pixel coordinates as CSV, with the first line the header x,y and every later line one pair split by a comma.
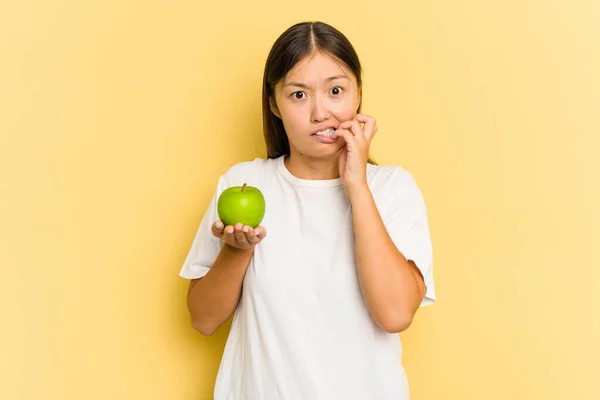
x,y
117,117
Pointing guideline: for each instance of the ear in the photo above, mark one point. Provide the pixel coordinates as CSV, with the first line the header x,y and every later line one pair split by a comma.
x,y
273,107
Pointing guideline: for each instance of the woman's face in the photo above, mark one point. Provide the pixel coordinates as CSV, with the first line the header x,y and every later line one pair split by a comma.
x,y
318,93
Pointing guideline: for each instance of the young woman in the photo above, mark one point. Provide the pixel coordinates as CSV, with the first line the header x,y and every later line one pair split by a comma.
x,y
347,261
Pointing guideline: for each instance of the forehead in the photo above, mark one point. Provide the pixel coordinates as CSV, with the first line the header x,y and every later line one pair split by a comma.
x,y
318,67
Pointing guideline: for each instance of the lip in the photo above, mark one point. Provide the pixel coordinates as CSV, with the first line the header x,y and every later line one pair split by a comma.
x,y
325,139
322,128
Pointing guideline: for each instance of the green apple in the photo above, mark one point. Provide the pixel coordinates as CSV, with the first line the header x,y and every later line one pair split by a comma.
x,y
241,204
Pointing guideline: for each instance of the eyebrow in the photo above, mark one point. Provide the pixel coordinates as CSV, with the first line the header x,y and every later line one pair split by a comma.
x,y
302,85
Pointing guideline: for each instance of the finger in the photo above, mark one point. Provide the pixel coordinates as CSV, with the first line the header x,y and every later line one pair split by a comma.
x,y
250,235
217,229
260,232
240,236
349,126
248,231
228,234
348,137
354,127
370,127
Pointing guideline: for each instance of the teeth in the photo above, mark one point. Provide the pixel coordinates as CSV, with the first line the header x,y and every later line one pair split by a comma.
x,y
327,132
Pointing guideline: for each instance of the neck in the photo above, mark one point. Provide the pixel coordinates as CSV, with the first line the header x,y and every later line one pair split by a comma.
x,y
304,167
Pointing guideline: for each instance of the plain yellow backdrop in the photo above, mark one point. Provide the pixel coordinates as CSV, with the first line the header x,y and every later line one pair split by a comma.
x,y
117,117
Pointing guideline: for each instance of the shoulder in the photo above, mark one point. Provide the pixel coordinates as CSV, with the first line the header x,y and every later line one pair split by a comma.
x,y
247,172
391,179
394,190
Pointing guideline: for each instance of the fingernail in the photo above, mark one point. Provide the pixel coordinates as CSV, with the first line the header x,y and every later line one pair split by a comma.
x,y
245,229
218,225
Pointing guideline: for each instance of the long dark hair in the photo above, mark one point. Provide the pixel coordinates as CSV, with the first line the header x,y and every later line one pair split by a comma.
x,y
297,42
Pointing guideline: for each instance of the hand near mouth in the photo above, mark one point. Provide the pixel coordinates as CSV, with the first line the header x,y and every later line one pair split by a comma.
x,y
354,156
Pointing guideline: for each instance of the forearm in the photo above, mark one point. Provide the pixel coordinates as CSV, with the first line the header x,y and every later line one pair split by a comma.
x,y
388,281
212,299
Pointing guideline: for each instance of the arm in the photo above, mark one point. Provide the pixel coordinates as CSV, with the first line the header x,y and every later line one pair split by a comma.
x,y
392,286
213,298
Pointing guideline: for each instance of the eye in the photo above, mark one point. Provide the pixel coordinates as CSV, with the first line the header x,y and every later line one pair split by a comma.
x,y
336,90
298,95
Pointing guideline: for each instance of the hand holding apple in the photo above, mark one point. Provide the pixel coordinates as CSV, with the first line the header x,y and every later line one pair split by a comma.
x,y
241,209
241,204
240,236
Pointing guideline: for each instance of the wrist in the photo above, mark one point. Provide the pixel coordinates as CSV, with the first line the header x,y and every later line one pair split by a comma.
x,y
358,190
237,251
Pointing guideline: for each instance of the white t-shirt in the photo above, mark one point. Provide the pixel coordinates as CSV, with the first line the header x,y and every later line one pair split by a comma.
x,y
302,330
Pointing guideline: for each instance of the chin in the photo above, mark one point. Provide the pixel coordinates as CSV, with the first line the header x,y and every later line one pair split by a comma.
x,y
333,154
322,152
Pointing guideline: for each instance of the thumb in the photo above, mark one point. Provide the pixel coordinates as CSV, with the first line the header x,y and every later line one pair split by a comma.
x,y
217,229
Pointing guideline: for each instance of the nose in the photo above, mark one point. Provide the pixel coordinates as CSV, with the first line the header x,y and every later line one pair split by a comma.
x,y
320,111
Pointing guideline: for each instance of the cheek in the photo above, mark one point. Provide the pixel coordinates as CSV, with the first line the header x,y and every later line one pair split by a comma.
x,y
346,111
346,114
292,122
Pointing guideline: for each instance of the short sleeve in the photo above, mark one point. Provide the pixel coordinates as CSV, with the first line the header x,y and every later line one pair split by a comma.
x,y
408,226
206,247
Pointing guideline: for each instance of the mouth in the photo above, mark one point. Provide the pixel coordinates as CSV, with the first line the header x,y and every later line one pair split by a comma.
x,y
326,135
328,132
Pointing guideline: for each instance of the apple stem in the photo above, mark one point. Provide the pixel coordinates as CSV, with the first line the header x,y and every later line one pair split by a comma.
x,y
243,186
